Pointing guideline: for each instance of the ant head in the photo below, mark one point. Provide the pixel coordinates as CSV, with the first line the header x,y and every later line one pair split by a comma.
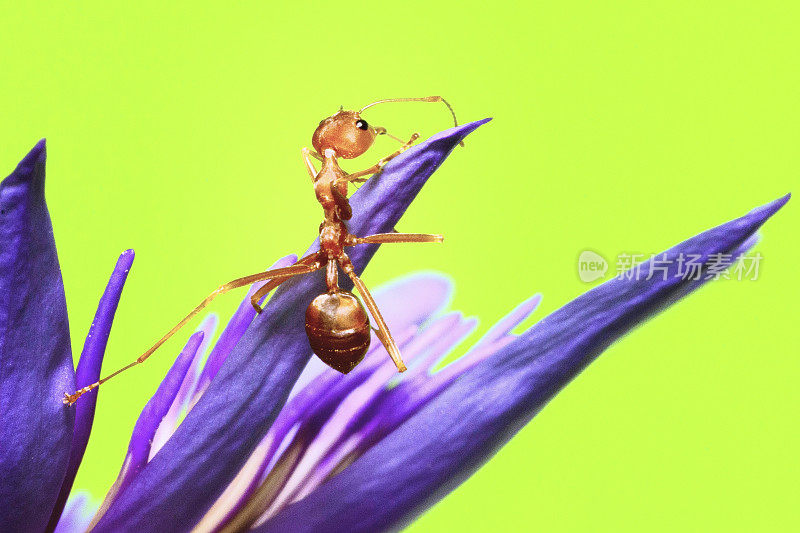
x,y
349,135
346,133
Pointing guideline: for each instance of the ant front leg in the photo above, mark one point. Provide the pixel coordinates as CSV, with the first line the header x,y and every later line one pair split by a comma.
x,y
307,154
381,238
377,167
383,330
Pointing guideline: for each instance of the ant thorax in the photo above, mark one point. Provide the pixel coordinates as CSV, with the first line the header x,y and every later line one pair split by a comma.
x,y
330,186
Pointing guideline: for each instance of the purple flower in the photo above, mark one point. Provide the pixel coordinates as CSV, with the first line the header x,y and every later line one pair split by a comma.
x,y
264,443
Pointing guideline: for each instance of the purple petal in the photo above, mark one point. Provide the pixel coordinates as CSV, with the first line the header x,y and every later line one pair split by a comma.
x,y
229,420
413,299
159,404
361,406
35,357
450,438
147,424
311,405
180,404
77,514
319,410
192,380
496,338
305,418
89,372
236,327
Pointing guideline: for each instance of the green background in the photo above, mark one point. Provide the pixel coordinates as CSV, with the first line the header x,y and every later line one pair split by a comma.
x,y
618,127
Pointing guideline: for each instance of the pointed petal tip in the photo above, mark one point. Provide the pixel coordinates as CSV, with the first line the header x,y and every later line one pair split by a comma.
x,y
461,131
535,298
532,302
480,122
36,154
527,307
469,127
767,210
25,170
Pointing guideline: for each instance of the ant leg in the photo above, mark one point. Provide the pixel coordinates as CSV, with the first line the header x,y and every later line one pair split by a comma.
x,y
309,263
287,272
307,153
377,167
398,237
383,329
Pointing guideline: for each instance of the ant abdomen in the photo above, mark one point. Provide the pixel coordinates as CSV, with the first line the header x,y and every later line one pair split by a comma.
x,y
338,330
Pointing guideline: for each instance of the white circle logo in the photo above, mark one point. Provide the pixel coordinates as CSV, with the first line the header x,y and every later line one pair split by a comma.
x,y
591,266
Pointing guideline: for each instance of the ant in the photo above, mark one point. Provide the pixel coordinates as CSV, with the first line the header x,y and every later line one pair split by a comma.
x,y
337,325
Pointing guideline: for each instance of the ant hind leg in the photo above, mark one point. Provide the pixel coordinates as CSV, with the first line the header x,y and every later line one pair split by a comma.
x,y
308,264
383,330
274,274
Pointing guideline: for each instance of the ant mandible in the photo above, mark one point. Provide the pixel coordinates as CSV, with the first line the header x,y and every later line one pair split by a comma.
x,y
337,325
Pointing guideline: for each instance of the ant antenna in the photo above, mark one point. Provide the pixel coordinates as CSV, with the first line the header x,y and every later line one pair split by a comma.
x,y
379,130
423,99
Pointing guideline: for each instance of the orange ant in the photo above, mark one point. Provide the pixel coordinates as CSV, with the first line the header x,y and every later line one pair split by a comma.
x,y
337,325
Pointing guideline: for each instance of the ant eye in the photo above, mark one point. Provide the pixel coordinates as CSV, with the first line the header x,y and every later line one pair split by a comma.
x,y
362,124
